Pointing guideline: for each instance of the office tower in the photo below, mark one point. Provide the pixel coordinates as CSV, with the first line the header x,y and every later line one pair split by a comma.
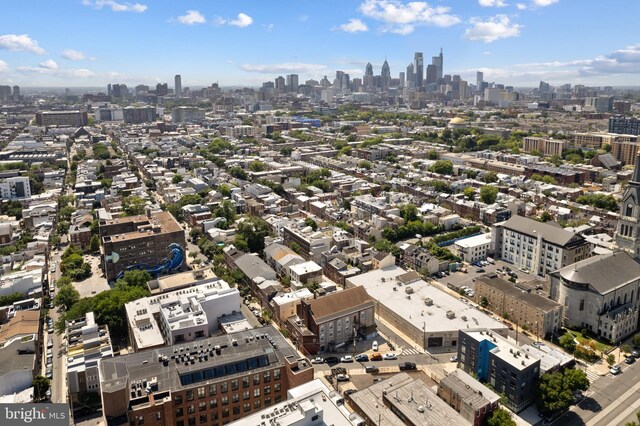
x,y
479,80
418,68
16,93
139,115
402,79
119,91
5,92
109,89
142,89
292,83
368,69
438,62
162,89
385,75
177,89
411,79
74,118
432,77
544,87
280,84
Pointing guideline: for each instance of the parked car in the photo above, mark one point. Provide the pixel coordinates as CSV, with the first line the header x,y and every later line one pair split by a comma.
x,y
389,356
47,394
371,369
374,346
615,370
629,360
346,358
343,377
454,358
480,270
50,343
332,360
362,358
317,360
375,357
471,293
407,366
636,353
349,392
49,373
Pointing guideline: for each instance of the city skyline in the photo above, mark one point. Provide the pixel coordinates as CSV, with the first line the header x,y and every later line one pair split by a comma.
x,y
245,44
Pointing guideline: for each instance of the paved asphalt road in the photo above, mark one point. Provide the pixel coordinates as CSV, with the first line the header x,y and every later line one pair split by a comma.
x,y
610,400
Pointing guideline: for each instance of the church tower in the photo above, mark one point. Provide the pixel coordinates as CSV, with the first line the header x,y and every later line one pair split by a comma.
x,y
627,236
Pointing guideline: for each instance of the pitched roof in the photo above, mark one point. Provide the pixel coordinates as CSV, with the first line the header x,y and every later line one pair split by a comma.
x,y
339,303
550,231
24,322
604,273
252,266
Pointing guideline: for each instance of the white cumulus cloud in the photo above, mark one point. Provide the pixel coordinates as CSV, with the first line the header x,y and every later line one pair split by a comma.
x,y
402,18
3,66
354,26
288,67
492,3
73,55
116,6
544,3
49,64
17,42
191,18
242,20
492,29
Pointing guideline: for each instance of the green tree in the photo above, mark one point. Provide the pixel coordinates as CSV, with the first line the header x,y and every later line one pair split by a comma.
x,y
225,190
310,222
409,212
611,359
490,177
257,166
545,217
66,297
636,340
637,423
488,194
442,167
177,178
253,230
133,205
9,299
238,173
568,342
364,164
626,349
500,417
555,390
135,278
94,244
484,302
469,192
40,387
549,180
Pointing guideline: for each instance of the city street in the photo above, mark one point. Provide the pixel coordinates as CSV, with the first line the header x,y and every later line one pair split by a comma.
x,y
610,400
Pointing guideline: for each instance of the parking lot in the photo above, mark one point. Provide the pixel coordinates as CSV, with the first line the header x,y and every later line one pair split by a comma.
x,y
459,279
95,283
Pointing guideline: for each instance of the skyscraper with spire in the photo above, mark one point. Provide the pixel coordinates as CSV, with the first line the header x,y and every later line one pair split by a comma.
x,y
627,235
385,75
368,69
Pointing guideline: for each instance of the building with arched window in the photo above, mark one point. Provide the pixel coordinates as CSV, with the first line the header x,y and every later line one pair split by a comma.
x,y
600,294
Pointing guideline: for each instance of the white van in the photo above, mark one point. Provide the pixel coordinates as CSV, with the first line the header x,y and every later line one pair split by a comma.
x,y
374,346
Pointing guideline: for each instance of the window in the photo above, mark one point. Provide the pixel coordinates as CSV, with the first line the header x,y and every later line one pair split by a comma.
x,y
234,384
189,395
140,420
202,406
212,390
245,395
192,421
582,305
201,392
203,418
179,412
180,423
256,392
245,382
256,379
225,412
267,376
267,390
225,400
191,409
276,374
246,407
177,399
235,398
223,387
276,387
213,403
256,403
214,416
236,410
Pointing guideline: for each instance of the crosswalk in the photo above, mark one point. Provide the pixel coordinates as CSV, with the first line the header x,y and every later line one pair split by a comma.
x,y
410,351
592,375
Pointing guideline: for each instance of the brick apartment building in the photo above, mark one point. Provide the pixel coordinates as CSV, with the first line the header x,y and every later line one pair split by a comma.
x,y
136,240
214,381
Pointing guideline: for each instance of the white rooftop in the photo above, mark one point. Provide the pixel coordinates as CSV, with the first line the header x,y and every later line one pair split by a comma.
x,y
475,241
379,284
505,349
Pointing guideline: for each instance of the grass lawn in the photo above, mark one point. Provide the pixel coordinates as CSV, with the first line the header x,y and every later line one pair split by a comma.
x,y
600,346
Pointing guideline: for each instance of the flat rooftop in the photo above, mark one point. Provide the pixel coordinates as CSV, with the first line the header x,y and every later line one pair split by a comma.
x,y
506,349
379,284
181,280
305,401
507,287
168,364
141,226
413,398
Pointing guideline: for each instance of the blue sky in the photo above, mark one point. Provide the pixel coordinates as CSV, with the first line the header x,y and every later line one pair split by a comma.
x,y
245,42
